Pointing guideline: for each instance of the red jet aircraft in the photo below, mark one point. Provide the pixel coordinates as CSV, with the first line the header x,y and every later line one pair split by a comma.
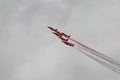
x,y
61,35
68,43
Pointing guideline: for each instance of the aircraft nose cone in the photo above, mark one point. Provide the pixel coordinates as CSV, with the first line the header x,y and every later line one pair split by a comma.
x,y
48,26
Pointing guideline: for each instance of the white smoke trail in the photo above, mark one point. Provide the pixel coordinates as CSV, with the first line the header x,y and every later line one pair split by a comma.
x,y
102,57
107,65
109,59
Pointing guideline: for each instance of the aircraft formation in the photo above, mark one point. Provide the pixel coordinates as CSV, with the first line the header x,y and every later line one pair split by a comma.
x,y
99,57
64,37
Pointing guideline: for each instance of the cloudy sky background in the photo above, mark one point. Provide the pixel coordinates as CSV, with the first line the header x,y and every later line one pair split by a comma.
x,y
28,50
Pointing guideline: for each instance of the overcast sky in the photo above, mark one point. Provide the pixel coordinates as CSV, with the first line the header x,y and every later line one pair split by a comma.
x,y
28,50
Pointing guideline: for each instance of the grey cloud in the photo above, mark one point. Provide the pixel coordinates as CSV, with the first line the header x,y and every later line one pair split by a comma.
x,y
22,32
29,52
